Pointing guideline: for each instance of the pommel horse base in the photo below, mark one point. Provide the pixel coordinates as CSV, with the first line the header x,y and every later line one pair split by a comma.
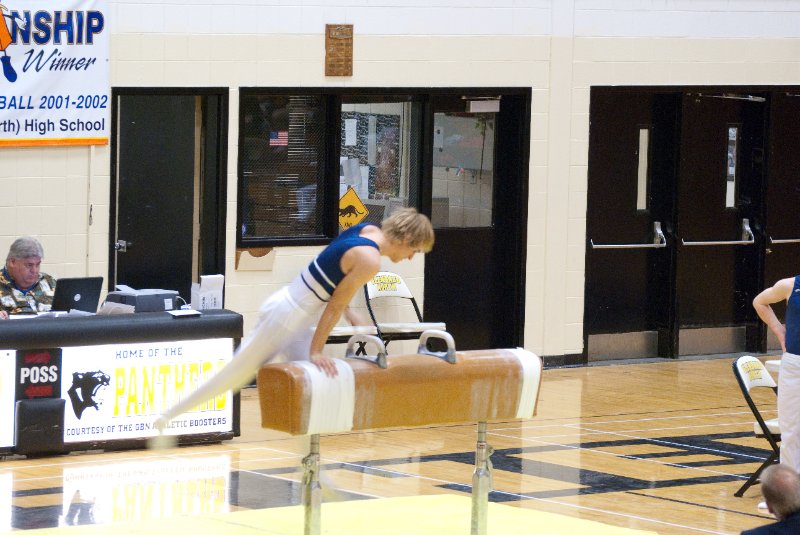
x,y
427,388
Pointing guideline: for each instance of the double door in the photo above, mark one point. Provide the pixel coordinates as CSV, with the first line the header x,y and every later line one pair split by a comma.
x,y
689,216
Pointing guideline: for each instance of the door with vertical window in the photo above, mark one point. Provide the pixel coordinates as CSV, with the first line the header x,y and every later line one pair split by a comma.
x,y
630,251
718,218
782,196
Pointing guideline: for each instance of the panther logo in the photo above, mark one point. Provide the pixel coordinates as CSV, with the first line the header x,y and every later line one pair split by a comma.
x,y
84,389
348,211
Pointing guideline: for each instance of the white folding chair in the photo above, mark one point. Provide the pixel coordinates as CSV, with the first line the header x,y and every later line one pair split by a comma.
x,y
750,374
386,286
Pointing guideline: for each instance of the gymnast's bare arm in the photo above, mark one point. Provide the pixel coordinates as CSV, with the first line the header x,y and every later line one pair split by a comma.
x,y
359,265
780,291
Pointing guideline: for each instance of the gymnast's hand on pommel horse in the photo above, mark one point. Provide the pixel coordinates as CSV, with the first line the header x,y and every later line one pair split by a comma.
x,y
318,295
422,389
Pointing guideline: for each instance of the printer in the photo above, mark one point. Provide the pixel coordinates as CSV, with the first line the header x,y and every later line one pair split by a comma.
x,y
150,300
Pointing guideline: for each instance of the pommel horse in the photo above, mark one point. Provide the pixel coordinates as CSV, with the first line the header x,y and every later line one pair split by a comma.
x,y
375,392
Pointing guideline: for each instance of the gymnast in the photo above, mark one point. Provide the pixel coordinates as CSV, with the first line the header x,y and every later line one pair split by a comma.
x,y
320,294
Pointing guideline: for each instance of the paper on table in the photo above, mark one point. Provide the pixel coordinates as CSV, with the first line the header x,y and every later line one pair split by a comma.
x,y
63,313
184,313
110,308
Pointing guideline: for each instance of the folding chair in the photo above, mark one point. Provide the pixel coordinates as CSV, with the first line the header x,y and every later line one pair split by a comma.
x,y
341,334
751,373
391,285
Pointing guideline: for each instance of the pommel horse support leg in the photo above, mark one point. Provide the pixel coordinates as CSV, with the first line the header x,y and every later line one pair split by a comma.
x,y
411,391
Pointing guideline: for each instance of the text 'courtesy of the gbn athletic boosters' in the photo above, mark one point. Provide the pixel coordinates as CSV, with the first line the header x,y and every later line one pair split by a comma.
x,y
54,86
117,391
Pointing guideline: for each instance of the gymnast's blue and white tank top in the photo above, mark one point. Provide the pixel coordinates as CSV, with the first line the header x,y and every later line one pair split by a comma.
x,y
793,319
324,273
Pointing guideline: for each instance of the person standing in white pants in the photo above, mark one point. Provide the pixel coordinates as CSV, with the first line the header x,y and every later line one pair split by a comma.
x,y
789,378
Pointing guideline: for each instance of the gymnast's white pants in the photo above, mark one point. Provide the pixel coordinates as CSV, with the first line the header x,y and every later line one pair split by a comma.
x,y
284,331
789,410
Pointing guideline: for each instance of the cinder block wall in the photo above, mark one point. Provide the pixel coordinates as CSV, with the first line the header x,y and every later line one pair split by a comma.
x,y
559,48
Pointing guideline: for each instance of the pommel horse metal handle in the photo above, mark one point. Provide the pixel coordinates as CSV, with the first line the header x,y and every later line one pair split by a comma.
x,y
448,356
379,359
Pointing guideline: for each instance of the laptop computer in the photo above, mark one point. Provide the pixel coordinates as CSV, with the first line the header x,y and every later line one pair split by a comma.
x,y
79,293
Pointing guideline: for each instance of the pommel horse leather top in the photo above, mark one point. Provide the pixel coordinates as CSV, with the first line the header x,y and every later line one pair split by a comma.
x,y
413,390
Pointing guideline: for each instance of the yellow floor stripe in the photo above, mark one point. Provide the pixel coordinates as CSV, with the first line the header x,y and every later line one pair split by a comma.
x,y
421,515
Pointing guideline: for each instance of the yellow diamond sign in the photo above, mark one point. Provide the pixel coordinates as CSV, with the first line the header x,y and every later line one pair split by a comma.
x,y
351,210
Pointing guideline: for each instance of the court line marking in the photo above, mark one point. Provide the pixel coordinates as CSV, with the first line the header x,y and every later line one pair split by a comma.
x,y
684,502
583,431
518,496
635,457
680,412
322,477
524,497
685,446
613,513
544,500
580,420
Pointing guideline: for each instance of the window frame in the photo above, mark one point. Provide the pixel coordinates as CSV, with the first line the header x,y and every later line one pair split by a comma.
x,y
328,202
324,205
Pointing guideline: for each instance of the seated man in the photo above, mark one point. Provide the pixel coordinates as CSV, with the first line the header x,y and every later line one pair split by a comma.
x,y
780,486
23,288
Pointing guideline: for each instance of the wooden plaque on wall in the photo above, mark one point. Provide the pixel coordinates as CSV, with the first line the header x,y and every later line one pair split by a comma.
x,y
338,50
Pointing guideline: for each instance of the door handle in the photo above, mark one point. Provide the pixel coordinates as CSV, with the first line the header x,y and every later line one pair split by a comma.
x,y
747,237
659,241
122,246
790,240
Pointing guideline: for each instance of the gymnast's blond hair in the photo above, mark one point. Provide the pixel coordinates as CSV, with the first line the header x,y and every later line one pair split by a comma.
x,y
408,226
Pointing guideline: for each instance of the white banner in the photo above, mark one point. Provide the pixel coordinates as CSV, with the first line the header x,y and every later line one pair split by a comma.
x,y
54,80
115,392
8,366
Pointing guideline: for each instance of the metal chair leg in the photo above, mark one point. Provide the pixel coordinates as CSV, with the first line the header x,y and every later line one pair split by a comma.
x,y
754,477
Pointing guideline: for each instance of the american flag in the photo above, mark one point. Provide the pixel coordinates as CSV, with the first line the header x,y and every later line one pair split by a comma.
x,y
279,139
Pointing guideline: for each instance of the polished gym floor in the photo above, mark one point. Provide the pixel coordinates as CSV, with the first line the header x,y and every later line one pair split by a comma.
x,y
657,446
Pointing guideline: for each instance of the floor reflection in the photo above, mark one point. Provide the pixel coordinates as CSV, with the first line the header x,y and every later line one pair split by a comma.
x,y
80,511
128,491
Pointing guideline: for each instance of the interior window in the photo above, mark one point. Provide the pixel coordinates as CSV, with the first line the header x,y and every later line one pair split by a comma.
x,y
463,169
643,170
282,152
378,159
730,169
312,162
